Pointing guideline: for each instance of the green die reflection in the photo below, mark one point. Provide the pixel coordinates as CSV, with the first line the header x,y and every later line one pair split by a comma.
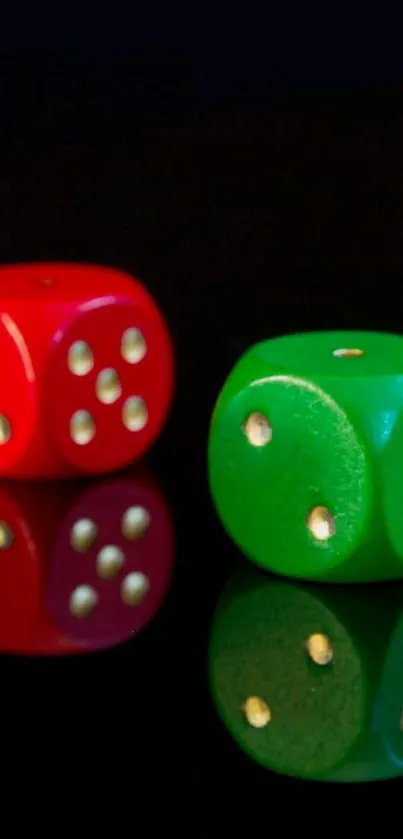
x,y
304,460
308,679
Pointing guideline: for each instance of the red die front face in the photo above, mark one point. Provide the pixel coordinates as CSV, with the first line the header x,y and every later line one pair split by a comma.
x,y
112,564
108,385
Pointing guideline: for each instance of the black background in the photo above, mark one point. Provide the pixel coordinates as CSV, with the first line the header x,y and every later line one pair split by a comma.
x,y
254,182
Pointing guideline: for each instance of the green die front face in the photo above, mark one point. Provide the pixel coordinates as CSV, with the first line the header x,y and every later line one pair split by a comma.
x,y
296,452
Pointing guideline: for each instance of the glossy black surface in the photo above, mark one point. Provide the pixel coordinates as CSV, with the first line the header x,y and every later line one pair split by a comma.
x,y
244,224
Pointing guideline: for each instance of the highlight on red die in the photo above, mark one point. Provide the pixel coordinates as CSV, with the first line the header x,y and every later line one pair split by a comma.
x,y
87,370
83,565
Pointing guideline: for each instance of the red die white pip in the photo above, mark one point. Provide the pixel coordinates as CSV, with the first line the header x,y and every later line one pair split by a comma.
x,y
83,565
87,370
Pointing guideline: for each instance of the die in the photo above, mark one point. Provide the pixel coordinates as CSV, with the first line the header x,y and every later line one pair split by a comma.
x,y
298,455
87,370
85,565
307,679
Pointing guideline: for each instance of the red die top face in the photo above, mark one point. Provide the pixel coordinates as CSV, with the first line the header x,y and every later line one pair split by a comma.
x,y
111,565
61,282
108,386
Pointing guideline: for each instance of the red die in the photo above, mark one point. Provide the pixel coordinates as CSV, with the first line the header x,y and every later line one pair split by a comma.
x,y
87,370
84,566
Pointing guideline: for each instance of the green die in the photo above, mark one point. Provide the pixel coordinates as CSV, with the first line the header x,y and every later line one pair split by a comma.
x,y
307,679
306,455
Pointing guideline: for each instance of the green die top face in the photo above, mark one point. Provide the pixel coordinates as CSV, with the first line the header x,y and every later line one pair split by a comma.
x,y
307,678
295,445
333,354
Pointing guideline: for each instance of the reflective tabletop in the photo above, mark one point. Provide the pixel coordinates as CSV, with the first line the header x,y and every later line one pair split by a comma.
x,y
150,676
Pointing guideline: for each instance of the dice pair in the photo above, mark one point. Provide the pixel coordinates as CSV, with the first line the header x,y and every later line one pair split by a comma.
x,y
83,565
86,370
306,455
306,442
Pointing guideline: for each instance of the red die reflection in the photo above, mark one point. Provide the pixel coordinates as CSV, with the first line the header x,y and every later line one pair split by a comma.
x,y
87,370
83,567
